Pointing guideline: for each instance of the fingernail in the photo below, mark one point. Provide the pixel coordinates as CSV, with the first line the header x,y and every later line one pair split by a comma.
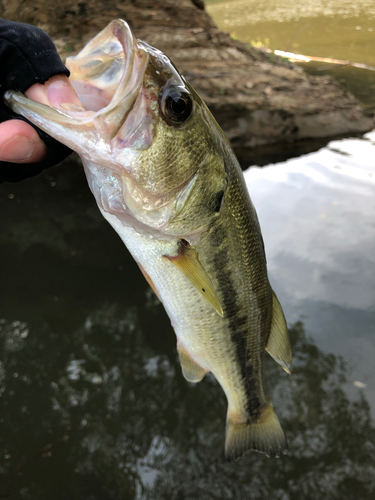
x,y
59,92
17,148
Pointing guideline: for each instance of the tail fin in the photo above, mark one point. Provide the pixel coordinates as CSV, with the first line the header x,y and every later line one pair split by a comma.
x,y
265,435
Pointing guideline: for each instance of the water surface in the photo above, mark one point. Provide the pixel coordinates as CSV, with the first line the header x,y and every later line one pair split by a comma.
x,y
336,29
93,403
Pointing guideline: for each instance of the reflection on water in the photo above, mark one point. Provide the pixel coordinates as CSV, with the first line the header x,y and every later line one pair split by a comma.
x,y
93,405
320,246
140,431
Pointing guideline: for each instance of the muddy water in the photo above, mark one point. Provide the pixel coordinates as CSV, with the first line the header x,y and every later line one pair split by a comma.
x,y
93,405
335,29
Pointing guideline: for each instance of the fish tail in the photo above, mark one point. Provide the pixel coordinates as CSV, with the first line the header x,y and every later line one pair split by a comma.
x,y
265,435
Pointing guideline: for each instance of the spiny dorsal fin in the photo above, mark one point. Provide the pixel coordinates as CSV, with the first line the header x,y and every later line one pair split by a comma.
x,y
278,345
188,263
190,369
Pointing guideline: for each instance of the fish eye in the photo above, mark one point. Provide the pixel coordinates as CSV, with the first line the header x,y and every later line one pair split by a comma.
x,y
176,105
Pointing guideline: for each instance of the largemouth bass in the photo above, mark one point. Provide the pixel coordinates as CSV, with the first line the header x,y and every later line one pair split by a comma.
x,y
165,177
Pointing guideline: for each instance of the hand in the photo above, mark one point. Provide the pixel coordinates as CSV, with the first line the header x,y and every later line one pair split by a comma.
x,y
19,141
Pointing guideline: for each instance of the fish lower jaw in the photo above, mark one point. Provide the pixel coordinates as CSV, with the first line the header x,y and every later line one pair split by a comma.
x,y
125,221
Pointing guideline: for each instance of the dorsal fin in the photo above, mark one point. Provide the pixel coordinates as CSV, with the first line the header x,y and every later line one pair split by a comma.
x,y
278,345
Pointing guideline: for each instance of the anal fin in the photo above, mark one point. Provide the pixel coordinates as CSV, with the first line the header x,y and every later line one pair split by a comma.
x,y
278,345
265,435
190,369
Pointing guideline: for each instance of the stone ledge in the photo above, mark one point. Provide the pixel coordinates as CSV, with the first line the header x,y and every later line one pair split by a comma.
x,y
257,98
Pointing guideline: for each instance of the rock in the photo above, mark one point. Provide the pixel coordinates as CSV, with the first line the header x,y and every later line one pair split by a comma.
x,y
257,98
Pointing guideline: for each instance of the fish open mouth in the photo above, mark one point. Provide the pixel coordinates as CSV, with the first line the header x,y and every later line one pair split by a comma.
x,y
114,65
107,76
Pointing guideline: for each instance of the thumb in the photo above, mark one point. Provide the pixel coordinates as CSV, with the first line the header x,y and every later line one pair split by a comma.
x,y
55,91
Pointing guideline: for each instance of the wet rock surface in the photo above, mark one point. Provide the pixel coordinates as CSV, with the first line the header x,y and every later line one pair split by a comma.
x,y
257,98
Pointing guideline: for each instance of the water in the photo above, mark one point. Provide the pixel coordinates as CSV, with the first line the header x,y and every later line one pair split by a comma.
x,y
93,405
320,237
335,29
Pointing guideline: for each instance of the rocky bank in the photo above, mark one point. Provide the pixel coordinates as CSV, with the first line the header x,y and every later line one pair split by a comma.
x,y
258,99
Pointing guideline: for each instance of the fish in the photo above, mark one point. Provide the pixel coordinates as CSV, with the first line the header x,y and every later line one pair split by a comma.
x,y
166,178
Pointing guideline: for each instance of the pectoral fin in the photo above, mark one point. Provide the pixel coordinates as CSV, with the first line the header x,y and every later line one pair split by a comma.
x,y
278,345
190,369
187,262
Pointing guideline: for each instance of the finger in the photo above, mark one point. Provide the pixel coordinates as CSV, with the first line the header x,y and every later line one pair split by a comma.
x,y
54,92
20,143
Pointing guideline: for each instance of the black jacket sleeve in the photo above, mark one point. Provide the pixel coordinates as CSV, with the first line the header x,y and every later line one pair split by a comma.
x,y
27,56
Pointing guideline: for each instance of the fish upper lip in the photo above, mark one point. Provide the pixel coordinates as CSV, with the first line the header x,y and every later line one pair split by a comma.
x,y
110,118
